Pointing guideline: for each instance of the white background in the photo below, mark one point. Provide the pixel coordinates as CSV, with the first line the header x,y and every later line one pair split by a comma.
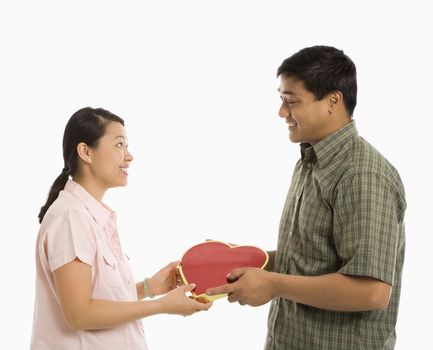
x,y
195,83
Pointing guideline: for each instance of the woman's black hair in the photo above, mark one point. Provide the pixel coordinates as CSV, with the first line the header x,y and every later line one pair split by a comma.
x,y
323,69
86,125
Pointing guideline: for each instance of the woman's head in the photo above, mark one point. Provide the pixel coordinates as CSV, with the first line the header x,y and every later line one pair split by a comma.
x,y
87,126
94,149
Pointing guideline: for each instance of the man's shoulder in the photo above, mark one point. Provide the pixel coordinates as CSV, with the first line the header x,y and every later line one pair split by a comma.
x,y
366,158
362,158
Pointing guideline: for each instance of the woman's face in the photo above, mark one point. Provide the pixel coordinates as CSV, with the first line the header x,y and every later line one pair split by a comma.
x,y
110,159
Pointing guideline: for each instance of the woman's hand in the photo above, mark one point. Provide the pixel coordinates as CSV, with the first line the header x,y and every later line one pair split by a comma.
x,y
164,280
176,302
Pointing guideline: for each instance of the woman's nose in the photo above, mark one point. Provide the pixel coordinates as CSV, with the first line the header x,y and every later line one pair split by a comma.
x,y
129,157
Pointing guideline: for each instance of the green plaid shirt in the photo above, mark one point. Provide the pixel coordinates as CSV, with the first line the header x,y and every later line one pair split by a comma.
x,y
343,213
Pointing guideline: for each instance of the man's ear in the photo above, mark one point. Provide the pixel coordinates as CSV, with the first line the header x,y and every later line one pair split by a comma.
x,y
84,152
335,100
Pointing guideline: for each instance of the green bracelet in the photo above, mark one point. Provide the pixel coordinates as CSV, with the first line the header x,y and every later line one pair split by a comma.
x,y
147,292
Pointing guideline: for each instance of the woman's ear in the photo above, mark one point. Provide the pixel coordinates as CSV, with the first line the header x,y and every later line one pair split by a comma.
x,y
84,152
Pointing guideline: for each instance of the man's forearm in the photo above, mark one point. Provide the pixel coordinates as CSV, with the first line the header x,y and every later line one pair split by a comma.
x,y
333,291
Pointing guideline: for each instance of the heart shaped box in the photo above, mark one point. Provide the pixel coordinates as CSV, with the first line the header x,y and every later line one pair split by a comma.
x,y
207,265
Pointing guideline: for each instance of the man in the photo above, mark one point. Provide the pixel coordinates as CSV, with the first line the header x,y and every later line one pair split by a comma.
x,y
336,274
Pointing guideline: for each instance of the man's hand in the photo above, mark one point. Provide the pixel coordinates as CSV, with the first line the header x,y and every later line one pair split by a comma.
x,y
249,286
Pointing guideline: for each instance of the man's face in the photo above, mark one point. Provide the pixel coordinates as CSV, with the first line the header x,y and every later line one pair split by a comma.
x,y
307,117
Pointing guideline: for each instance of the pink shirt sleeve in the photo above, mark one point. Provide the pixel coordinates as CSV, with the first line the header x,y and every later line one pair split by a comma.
x,y
69,236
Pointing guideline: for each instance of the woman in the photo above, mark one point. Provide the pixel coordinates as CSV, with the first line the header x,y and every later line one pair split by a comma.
x,y
85,294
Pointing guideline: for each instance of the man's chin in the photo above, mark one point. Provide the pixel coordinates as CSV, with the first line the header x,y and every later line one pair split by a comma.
x,y
294,138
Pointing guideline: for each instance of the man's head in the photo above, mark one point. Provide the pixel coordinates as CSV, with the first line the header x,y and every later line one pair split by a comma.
x,y
318,88
323,69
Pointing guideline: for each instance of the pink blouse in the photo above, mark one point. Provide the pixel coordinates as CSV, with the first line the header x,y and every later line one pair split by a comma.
x,y
78,226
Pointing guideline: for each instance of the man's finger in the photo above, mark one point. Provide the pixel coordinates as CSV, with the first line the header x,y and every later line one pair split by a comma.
x,y
233,297
225,289
235,274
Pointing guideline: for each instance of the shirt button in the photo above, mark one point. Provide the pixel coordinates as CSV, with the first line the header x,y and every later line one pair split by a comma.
x,y
309,165
276,302
269,339
290,233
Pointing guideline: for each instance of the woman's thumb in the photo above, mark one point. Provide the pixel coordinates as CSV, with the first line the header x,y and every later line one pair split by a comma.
x,y
188,287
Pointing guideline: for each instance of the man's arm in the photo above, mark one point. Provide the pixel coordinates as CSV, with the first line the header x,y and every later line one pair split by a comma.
x,y
333,291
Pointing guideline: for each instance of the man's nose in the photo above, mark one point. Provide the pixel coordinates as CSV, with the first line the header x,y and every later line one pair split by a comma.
x,y
284,111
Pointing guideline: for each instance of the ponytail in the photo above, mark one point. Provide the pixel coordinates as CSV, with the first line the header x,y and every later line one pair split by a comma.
x,y
58,185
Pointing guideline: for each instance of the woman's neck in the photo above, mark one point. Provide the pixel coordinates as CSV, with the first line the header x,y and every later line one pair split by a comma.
x,y
91,186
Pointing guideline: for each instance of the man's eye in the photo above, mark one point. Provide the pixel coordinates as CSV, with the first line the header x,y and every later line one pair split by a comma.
x,y
120,145
289,102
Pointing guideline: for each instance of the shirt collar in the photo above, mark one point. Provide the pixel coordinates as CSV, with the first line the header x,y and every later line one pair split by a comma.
x,y
324,150
100,212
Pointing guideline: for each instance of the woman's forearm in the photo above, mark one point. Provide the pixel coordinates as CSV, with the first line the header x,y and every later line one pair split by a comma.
x,y
101,314
140,290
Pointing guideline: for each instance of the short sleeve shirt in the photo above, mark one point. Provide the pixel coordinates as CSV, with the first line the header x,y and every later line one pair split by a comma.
x,y
78,226
344,213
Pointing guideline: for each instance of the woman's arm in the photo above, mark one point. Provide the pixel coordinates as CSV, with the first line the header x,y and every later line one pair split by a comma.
x,y
161,282
81,312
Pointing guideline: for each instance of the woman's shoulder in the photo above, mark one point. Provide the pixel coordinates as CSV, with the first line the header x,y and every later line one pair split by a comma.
x,y
66,207
67,232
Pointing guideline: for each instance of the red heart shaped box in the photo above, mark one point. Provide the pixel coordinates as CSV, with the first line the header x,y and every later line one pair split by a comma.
x,y
207,265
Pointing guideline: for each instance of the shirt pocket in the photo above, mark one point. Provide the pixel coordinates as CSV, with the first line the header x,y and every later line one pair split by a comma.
x,y
110,272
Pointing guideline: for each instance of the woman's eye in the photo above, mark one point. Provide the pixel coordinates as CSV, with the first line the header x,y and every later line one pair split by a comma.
x,y
120,145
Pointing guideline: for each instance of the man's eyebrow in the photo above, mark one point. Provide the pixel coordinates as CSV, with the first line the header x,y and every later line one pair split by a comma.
x,y
123,137
287,92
